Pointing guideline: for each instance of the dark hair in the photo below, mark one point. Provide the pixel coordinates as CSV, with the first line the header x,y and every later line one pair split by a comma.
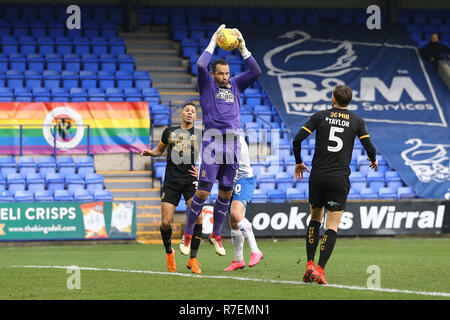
x,y
189,104
343,95
216,62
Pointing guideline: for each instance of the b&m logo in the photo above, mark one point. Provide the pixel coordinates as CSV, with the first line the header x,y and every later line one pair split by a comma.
x,y
389,81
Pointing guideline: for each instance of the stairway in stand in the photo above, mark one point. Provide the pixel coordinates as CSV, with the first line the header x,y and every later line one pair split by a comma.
x,y
155,52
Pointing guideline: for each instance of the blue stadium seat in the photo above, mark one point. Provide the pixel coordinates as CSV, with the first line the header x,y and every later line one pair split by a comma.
x,y
358,180
65,165
258,167
108,62
15,78
4,62
109,30
43,196
375,180
51,79
180,32
93,181
182,207
45,45
92,29
102,195
10,45
160,168
132,94
189,47
368,193
54,62
5,29
74,182
259,196
283,180
60,95
96,94
90,62
106,79
405,193
2,183
125,62
33,79
266,182
116,46
7,165
78,94
27,44
26,164
23,95
56,29
54,181
81,45
353,194
99,45
15,181
61,195
393,180
69,79
35,61
6,196
35,182
85,165
276,196
46,165
72,62
124,79
114,94
23,196
362,164
88,79
295,194
63,44
41,94
82,195
142,79
252,96
383,166
6,95
289,165
387,193
151,95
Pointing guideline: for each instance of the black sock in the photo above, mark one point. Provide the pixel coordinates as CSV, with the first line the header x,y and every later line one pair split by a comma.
x,y
312,239
326,248
196,239
166,236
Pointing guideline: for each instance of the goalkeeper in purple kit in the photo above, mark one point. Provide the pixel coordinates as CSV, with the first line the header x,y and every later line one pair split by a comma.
x,y
219,100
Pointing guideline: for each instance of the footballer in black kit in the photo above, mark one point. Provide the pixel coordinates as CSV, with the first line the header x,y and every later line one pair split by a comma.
x,y
182,151
329,184
182,144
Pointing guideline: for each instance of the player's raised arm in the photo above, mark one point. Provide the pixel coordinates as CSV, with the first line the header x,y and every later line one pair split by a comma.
x,y
245,79
160,148
203,77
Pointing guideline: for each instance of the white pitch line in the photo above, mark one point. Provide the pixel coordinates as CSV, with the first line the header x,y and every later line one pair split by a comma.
x,y
423,293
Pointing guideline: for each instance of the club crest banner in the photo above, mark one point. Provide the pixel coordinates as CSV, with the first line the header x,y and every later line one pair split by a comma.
x,y
402,99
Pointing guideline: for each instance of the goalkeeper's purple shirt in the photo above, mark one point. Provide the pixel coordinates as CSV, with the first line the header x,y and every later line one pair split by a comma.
x,y
221,106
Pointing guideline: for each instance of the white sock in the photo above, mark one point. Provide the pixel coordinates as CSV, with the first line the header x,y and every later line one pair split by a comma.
x,y
237,239
246,228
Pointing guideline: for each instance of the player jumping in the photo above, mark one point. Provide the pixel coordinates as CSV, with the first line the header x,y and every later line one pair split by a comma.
x,y
219,100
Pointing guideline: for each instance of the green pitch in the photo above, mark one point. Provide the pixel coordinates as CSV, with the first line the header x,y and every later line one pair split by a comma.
x,y
414,268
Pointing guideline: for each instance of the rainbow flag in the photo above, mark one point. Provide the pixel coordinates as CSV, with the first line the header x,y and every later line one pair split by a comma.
x,y
103,127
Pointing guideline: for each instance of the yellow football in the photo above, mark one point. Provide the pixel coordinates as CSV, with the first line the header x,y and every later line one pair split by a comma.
x,y
227,39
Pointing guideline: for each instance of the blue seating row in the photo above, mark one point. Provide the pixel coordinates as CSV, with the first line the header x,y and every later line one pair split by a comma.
x,y
49,12
80,195
66,62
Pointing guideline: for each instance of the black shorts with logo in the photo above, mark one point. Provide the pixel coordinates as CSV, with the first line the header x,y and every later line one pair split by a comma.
x,y
329,192
173,189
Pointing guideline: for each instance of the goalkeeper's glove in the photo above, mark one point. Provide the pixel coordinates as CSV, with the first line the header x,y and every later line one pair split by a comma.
x,y
212,44
242,48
